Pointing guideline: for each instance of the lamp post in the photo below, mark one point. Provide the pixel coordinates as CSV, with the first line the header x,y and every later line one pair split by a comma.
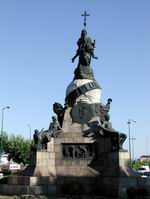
x,y
29,130
133,139
129,132
147,145
2,123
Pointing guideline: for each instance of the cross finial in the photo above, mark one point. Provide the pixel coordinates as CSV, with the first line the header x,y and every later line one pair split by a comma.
x,y
85,15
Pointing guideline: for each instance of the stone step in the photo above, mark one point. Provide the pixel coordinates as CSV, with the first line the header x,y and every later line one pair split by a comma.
x,y
33,190
31,180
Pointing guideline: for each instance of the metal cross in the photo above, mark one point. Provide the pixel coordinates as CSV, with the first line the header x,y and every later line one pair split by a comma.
x,y
85,15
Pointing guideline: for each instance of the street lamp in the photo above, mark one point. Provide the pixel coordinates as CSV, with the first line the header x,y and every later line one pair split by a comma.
x,y
133,139
129,123
7,107
29,130
147,145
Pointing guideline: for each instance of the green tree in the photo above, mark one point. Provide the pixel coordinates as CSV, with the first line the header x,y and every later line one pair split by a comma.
x,y
4,143
146,162
17,148
136,164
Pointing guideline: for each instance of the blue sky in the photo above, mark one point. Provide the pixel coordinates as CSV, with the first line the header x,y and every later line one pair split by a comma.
x,y
37,41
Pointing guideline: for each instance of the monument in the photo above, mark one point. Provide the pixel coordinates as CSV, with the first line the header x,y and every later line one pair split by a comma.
x,y
80,153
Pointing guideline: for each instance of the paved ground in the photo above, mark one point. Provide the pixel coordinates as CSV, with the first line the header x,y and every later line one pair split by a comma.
x,y
24,197
51,197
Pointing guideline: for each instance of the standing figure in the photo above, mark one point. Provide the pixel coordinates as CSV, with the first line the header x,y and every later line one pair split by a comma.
x,y
85,49
104,110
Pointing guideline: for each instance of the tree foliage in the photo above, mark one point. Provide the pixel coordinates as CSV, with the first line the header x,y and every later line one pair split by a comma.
x,y
17,148
136,164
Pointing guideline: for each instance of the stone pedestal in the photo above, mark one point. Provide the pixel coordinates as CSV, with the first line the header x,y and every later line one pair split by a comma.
x,y
50,172
79,161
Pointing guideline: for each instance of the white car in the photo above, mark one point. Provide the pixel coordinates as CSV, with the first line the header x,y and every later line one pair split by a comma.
x,y
143,169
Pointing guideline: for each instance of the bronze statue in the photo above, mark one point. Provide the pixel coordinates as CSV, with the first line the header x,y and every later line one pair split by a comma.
x,y
37,139
103,110
106,129
41,138
59,110
116,137
54,127
85,49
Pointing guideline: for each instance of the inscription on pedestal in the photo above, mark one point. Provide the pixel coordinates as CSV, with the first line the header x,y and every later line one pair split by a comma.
x,y
79,151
